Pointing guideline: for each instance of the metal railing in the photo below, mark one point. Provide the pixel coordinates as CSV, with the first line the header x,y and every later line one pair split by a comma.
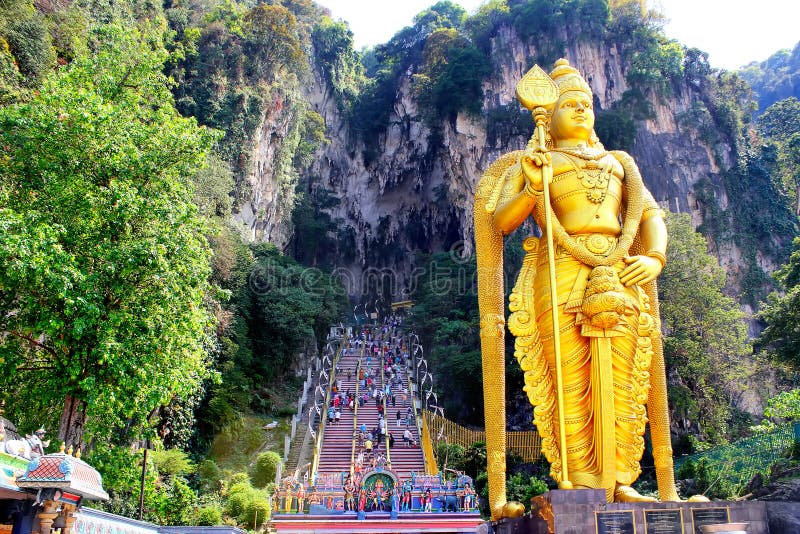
x,y
528,444
741,460
323,413
427,449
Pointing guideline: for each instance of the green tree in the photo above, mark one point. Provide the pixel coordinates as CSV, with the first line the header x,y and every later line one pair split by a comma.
x,y
168,499
105,267
271,42
209,516
780,126
172,462
333,47
781,313
443,14
25,31
445,316
452,74
705,335
785,406
483,25
265,468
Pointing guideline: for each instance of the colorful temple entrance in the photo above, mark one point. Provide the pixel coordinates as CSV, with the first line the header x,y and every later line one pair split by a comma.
x,y
373,467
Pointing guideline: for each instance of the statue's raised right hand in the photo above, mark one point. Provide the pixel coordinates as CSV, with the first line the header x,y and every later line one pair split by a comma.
x,y
532,162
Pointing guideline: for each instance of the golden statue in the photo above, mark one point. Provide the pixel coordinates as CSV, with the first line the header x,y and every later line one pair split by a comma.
x,y
597,377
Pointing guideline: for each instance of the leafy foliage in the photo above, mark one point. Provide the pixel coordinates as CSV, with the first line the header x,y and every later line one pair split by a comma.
x,y
483,25
448,68
168,499
265,468
721,118
236,64
705,336
172,462
454,70
315,240
616,129
333,50
248,505
781,313
105,263
777,78
521,487
278,306
653,60
780,126
506,122
723,472
784,406
445,316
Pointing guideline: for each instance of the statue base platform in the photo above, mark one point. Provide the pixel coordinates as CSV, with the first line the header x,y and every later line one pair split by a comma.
x,y
586,511
380,522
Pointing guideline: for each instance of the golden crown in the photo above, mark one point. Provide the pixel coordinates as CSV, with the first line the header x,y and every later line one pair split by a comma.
x,y
568,78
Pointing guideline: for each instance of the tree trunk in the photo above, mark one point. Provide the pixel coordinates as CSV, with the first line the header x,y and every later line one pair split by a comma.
x,y
73,418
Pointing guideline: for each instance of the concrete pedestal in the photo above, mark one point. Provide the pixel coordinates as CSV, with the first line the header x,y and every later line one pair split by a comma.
x,y
586,511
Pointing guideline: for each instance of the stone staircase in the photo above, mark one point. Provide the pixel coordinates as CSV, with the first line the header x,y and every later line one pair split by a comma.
x,y
337,442
337,447
302,447
324,510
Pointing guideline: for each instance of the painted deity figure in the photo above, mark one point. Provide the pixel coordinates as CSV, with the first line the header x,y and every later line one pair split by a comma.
x,y
349,494
609,245
406,501
469,497
362,500
301,497
313,496
426,502
378,495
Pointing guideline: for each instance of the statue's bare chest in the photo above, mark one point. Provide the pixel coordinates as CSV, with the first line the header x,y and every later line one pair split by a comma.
x,y
586,186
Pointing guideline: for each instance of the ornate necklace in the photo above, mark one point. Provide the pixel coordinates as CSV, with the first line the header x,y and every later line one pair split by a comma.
x,y
594,177
582,152
633,214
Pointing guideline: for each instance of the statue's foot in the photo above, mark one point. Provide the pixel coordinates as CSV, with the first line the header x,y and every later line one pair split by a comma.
x,y
628,494
698,498
513,509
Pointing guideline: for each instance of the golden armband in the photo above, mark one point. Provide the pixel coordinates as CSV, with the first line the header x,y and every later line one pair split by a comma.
x,y
658,256
531,192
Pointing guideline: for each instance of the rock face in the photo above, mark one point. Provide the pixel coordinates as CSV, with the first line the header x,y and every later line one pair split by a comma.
x,y
415,196
266,198
784,517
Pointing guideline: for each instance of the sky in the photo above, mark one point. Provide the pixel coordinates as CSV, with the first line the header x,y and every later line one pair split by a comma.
x,y
733,32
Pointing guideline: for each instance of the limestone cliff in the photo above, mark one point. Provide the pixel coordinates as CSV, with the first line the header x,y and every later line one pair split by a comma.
x,y
414,193
266,196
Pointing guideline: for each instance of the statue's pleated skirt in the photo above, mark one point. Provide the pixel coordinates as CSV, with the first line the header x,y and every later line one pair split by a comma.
x,y
604,422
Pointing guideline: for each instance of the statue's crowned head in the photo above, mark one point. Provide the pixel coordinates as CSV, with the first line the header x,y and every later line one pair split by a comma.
x,y
568,78
572,86
542,93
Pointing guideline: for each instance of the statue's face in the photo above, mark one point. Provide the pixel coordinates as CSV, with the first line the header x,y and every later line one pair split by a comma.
x,y
573,117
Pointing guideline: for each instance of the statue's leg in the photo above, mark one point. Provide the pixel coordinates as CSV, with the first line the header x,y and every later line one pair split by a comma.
x,y
630,388
576,372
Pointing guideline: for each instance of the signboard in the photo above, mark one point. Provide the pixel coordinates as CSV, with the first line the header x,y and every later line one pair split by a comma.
x,y
709,516
615,522
663,521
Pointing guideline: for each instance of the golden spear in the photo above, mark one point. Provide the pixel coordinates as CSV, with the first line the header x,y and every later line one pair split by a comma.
x,y
538,92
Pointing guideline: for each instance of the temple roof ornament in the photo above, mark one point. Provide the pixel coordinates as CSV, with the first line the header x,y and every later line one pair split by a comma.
x,y
65,472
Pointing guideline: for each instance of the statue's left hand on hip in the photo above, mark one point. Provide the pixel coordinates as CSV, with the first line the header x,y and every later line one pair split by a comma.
x,y
639,270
